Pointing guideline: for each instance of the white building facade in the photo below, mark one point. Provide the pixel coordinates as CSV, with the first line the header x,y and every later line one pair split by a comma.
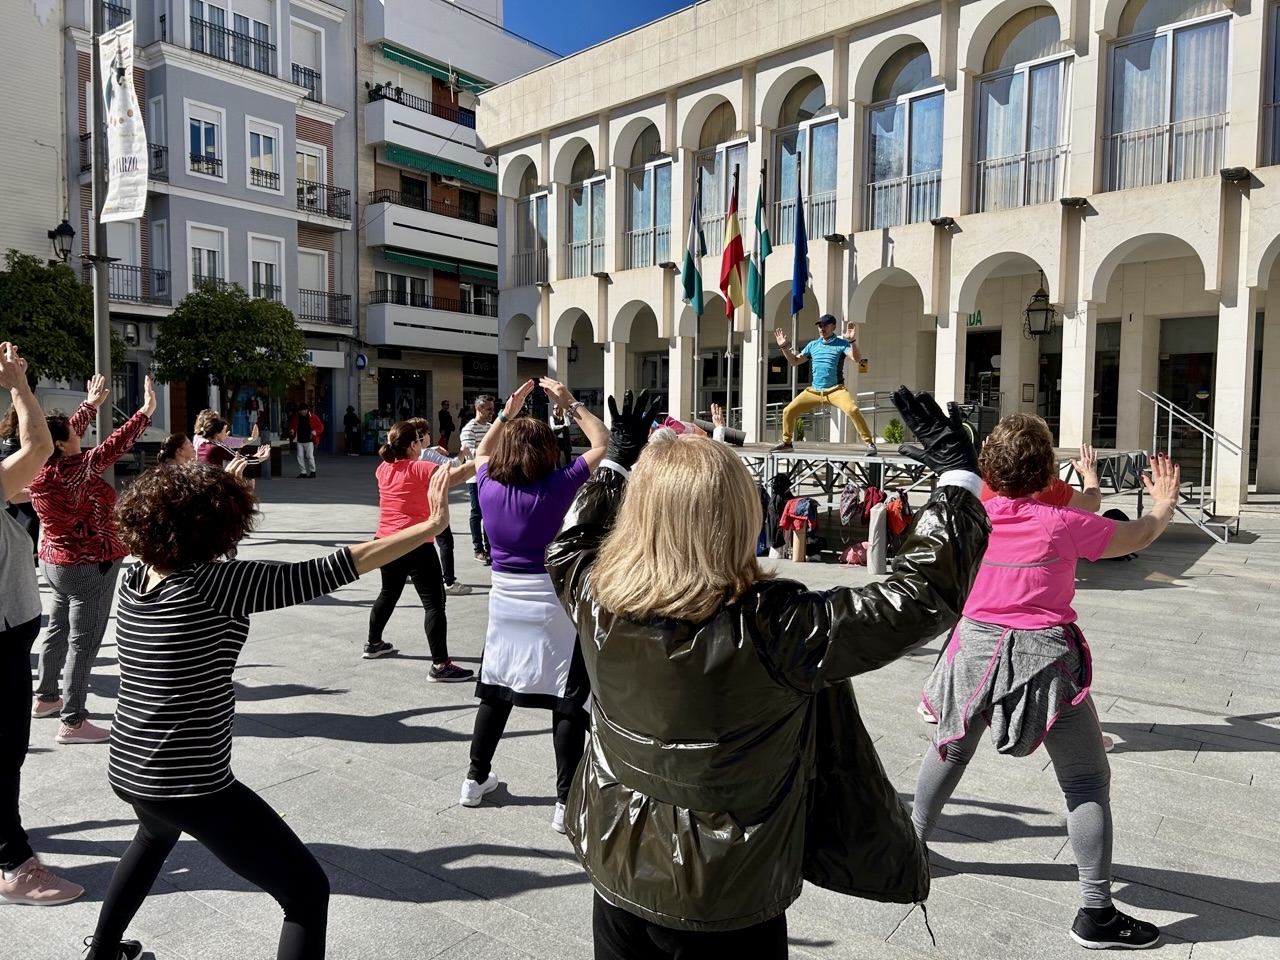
x,y
954,157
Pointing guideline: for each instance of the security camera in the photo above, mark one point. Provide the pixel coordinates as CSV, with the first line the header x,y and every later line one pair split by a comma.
x,y
488,161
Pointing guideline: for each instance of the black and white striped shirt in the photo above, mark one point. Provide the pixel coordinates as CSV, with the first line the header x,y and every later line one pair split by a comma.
x,y
178,645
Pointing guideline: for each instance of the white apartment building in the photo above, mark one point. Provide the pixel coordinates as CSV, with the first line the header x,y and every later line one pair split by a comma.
x,y
429,251
954,157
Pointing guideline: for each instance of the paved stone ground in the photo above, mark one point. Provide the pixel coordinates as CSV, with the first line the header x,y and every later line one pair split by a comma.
x,y
365,758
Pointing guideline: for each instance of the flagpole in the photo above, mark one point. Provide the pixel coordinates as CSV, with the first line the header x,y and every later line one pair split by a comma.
x,y
697,317
762,362
794,322
728,352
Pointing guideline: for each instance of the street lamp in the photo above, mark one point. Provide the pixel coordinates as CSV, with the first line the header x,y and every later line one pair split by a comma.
x,y
573,351
62,236
1038,317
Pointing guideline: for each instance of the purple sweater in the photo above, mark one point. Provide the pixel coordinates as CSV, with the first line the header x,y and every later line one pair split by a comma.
x,y
522,521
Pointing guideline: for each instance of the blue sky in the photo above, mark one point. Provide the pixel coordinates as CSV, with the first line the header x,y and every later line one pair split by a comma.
x,y
567,26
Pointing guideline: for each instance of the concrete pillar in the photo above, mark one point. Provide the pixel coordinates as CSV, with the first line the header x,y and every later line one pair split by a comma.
x,y
1019,364
755,352
948,374
1079,345
680,386
617,375
1233,397
1139,370
508,371
1269,426
558,365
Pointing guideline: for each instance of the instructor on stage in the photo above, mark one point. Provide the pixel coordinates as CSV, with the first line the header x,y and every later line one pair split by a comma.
x,y
827,355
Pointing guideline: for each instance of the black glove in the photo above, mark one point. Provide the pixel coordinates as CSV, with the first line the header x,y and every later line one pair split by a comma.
x,y
629,430
944,441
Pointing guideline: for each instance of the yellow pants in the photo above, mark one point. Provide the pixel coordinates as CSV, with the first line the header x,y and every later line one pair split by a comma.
x,y
808,398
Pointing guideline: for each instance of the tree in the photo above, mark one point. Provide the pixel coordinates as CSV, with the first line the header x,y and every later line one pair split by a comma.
x,y
48,312
237,341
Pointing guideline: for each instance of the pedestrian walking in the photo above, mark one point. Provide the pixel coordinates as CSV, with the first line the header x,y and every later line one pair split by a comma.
x,y
183,620
351,424
446,424
305,429
472,433
80,556
531,655
453,587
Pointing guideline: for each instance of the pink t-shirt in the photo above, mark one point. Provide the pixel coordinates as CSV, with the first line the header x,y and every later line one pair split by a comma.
x,y
402,495
1028,574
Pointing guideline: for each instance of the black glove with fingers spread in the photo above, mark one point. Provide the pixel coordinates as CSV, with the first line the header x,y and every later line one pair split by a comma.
x,y
629,430
944,441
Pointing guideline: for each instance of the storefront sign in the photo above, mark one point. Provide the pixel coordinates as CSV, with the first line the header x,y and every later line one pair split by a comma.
x,y
362,361
862,364
327,359
975,319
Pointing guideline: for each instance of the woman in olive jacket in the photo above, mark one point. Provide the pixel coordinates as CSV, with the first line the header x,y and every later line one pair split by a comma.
x,y
727,761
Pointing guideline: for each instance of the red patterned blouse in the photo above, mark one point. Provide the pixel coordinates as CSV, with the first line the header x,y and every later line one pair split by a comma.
x,y
75,505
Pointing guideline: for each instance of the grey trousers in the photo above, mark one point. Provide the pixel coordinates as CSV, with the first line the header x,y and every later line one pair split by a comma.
x,y
1080,764
81,603
306,453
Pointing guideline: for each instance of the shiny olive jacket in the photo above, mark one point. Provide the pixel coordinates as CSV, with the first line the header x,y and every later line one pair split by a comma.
x,y
727,761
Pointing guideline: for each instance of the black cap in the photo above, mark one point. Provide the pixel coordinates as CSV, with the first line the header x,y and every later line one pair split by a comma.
x,y
825,318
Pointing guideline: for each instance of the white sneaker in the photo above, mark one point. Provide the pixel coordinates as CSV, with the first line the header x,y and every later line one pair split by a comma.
x,y
925,715
557,818
472,792
457,589
871,449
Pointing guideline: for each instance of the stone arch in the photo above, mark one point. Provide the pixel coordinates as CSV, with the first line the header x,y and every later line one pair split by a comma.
x,y
562,165
691,130
514,172
620,328
865,79
515,330
860,296
1260,269
981,271
627,137
984,33
562,330
771,102
1131,250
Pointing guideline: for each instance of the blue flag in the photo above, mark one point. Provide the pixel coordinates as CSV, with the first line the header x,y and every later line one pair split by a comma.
x,y
800,272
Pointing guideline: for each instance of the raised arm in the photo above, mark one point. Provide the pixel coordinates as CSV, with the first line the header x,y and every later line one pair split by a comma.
x,y
18,470
511,410
794,359
1089,498
123,437
96,395
1130,536
592,426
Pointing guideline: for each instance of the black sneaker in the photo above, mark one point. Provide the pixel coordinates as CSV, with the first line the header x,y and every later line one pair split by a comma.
x,y
447,672
782,448
372,651
312,474
1122,931
302,476
129,950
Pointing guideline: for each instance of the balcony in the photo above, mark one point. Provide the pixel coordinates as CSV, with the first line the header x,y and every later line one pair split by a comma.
x,y
432,323
114,14
210,281
209,166
239,48
306,77
267,179
390,121
318,306
820,218
426,301
266,291
530,267
157,161
1020,180
459,115
391,223
129,284
584,257
902,200
324,200
1166,153
451,210
644,248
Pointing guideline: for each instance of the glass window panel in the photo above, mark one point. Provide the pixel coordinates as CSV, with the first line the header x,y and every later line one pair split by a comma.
x,y
1000,123
640,193
787,161
926,134
887,143
578,200
1138,85
1028,35
1143,16
597,209
1044,106
1200,70
822,158
540,204
907,71
805,99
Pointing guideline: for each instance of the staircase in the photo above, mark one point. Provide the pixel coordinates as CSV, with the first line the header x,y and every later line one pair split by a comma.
x,y
1192,443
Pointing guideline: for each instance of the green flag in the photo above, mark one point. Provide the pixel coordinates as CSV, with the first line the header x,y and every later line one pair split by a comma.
x,y
760,248
695,250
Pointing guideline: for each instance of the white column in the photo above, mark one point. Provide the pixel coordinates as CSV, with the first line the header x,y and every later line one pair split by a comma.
x,y
754,349
1019,364
558,364
1139,370
680,384
1079,346
1233,397
508,371
948,376
1269,425
617,376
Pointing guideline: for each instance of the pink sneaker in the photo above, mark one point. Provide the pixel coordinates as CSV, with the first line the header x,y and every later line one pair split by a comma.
x,y
34,885
45,708
82,732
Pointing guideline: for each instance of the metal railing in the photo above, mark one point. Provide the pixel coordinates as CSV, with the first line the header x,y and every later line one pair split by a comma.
x,y
902,200
427,301
209,280
127,283
209,166
157,165
458,115
319,306
819,217
231,46
264,178
114,14
644,248
306,77
325,200
432,206
1020,180
266,291
1166,153
585,257
530,267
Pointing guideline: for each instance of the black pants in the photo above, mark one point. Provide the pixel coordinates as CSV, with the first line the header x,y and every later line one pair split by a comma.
x,y
568,737
353,442
444,543
624,936
15,733
423,567
479,542
248,837
25,514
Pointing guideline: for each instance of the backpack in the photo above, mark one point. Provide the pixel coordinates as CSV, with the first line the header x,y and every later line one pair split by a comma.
x,y
779,494
900,513
850,503
1119,516
870,497
855,555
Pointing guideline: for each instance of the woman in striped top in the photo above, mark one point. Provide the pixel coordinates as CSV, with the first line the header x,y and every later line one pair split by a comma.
x,y
183,618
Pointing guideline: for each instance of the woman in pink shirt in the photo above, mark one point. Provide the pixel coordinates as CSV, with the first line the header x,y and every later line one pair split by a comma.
x,y
402,502
1018,665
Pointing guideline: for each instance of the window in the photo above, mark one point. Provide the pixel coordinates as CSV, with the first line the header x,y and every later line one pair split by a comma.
x,y
531,231
904,142
309,168
265,257
584,246
207,245
414,191
804,154
209,28
264,164
306,47
160,261
716,162
1271,109
648,239
204,127
1023,98
1167,111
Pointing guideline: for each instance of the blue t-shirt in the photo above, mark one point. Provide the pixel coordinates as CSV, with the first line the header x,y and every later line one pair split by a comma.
x,y
826,362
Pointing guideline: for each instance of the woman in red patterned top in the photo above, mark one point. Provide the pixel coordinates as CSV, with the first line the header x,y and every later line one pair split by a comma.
x,y
79,556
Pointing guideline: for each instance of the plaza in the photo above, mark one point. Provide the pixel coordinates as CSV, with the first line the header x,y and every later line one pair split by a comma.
x,y
364,759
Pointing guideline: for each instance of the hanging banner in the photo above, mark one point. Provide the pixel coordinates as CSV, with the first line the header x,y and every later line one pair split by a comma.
x,y
126,137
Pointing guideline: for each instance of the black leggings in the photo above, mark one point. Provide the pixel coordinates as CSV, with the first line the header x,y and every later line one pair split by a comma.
x,y
422,566
15,734
568,737
620,935
247,836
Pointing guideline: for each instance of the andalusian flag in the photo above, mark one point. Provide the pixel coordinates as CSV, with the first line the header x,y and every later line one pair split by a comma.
x,y
759,252
695,250
732,258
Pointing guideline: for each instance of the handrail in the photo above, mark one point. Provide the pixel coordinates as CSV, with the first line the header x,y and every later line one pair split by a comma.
x,y
1193,421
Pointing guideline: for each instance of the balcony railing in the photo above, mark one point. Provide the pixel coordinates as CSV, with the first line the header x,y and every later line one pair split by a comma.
x,y
819,221
209,280
913,199
114,14
267,179
306,77
427,301
530,267
157,166
458,115
239,48
1172,151
324,200
1020,180
647,247
266,291
433,206
129,284
585,257
318,306
713,227
209,166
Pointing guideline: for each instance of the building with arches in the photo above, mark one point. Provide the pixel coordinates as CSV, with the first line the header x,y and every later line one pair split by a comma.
x,y
954,158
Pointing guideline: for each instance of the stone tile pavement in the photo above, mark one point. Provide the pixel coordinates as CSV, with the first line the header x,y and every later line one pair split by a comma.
x,y
364,759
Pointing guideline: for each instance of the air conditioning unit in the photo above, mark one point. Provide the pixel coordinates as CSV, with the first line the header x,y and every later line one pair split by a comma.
x,y
451,181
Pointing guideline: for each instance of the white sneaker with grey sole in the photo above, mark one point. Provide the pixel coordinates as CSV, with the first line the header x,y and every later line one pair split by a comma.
x,y
472,792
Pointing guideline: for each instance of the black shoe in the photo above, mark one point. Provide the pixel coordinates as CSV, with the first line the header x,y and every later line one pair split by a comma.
x,y
302,476
448,673
372,651
484,558
312,474
129,950
782,448
1122,931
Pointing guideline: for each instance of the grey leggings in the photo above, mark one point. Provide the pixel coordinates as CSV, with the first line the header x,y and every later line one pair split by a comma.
x,y
1080,763
77,622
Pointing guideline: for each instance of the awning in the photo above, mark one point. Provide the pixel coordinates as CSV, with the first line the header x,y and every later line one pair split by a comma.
x,y
398,55
417,260
446,168
480,273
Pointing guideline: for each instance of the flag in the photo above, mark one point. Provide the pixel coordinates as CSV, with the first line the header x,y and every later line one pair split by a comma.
x,y
800,272
759,253
696,248
126,151
732,258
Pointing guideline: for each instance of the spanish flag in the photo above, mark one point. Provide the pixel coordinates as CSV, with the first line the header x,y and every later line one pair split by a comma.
x,y
733,257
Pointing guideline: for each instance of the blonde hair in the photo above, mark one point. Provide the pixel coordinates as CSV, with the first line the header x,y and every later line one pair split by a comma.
x,y
684,544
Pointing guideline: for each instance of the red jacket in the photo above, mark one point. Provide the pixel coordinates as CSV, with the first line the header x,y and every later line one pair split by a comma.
x,y
317,428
